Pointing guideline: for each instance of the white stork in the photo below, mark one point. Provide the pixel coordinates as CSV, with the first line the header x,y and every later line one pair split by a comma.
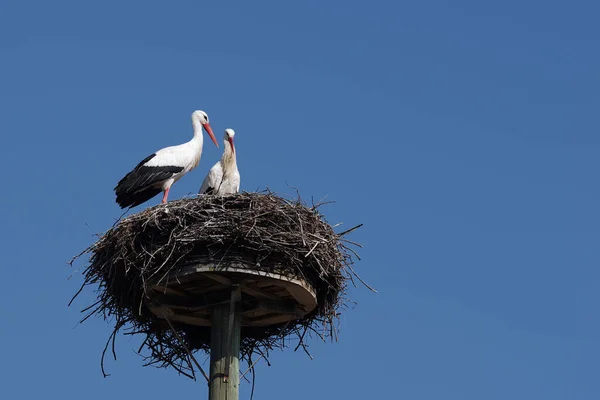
x,y
224,177
157,172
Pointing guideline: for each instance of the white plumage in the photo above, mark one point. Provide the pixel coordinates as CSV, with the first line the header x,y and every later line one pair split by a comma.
x,y
224,177
159,171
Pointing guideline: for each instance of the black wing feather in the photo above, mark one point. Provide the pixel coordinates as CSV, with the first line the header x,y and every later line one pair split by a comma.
x,y
138,185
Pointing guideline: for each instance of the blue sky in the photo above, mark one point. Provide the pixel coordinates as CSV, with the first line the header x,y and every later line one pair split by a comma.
x,y
463,135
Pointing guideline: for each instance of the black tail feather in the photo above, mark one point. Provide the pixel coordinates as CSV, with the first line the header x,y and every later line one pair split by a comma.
x,y
135,199
142,184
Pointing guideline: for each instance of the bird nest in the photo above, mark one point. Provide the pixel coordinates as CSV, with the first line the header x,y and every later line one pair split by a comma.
x,y
264,232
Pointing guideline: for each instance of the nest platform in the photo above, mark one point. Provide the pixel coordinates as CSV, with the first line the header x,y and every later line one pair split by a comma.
x,y
159,273
267,298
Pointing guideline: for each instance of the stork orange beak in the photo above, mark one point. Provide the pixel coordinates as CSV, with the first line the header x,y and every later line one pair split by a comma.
x,y
231,143
210,133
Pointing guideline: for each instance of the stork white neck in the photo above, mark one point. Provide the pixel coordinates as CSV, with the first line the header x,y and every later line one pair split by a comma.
x,y
200,121
229,157
197,124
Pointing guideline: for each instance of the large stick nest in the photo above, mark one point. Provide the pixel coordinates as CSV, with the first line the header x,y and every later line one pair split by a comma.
x,y
278,235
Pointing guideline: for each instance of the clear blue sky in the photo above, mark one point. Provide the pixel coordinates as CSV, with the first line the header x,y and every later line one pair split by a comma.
x,y
464,135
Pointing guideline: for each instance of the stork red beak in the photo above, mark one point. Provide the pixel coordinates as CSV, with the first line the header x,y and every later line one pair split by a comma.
x,y
231,143
210,133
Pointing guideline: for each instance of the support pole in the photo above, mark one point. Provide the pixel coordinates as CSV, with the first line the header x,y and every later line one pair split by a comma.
x,y
225,350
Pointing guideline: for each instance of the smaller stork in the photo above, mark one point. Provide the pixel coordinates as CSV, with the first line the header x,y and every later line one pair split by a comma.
x,y
224,177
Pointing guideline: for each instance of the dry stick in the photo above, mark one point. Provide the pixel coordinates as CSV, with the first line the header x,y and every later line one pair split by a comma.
x,y
263,354
147,252
170,358
350,230
352,250
246,379
189,365
301,342
180,369
166,273
143,344
311,250
351,277
187,350
252,366
103,353
253,382
119,219
333,329
251,229
360,279
307,353
317,333
301,230
91,312
113,337
73,260
90,307
77,294
168,257
351,242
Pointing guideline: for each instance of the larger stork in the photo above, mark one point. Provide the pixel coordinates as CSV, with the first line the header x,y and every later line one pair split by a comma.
x,y
224,177
160,170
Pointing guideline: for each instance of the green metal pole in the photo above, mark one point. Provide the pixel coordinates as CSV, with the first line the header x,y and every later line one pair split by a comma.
x,y
225,351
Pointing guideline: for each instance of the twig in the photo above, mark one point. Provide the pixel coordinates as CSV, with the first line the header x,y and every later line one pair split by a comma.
x,y
186,349
252,365
76,294
360,279
350,230
352,243
253,383
301,231
311,250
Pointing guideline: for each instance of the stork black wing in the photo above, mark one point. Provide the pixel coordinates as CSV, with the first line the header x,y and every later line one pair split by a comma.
x,y
141,183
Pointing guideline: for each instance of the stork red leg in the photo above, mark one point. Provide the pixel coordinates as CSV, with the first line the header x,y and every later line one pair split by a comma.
x,y
164,200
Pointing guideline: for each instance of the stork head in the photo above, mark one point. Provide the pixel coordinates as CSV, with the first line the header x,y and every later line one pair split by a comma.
x,y
202,118
229,134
